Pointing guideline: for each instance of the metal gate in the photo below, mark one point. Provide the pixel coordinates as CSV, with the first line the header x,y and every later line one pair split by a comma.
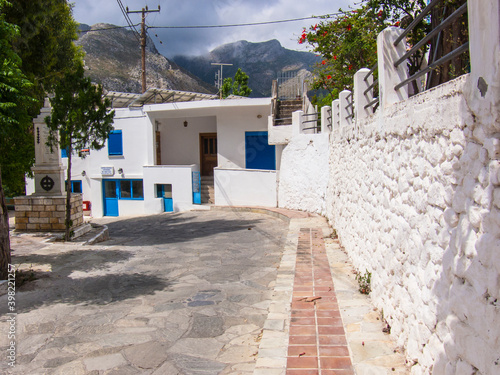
x,y
290,85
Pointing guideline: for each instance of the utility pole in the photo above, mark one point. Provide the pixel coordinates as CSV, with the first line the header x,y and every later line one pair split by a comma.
x,y
218,77
143,41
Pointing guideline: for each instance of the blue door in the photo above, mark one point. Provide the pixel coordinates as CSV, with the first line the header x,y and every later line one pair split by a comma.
x,y
196,188
165,191
110,189
258,153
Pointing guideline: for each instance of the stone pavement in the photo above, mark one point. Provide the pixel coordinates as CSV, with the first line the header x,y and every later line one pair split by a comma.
x,y
307,336
184,293
227,291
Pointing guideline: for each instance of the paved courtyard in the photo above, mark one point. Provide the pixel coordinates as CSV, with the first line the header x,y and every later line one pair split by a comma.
x,y
184,293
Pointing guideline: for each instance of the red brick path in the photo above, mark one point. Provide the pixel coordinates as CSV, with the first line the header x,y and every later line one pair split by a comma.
x,y
317,344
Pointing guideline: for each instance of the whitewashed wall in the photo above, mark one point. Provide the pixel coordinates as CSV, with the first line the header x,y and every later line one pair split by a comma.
x,y
232,123
244,187
181,145
414,195
179,176
304,173
414,198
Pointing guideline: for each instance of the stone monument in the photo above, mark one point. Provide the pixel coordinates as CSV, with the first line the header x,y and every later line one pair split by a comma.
x,y
45,209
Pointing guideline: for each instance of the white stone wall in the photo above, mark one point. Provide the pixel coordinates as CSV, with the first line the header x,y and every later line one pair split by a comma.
x,y
303,176
415,198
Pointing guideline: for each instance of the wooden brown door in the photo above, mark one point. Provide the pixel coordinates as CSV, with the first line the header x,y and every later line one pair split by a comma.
x,y
208,153
158,148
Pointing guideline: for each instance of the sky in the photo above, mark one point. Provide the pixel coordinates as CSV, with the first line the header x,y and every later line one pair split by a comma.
x,y
211,12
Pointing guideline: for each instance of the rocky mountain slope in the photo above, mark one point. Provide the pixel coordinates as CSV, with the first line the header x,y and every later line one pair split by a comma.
x,y
261,61
113,59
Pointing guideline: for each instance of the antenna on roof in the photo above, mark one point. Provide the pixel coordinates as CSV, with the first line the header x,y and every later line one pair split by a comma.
x,y
218,76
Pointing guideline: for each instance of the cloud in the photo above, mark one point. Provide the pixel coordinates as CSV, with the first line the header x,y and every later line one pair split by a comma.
x,y
213,12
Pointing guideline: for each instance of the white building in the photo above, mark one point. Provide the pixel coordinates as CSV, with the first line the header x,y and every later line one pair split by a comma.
x,y
162,142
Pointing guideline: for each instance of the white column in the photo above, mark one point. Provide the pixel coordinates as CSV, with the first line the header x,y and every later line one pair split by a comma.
x,y
344,110
297,122
360,99
326,119
484,46
388,75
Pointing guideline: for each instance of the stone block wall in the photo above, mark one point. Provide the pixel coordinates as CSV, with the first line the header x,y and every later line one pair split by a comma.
x,y
414,195
46,214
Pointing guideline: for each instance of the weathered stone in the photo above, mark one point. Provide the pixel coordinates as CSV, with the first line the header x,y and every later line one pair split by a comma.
x,y
146,356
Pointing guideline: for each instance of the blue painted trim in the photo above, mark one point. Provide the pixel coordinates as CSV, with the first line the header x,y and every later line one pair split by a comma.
x,y
115,143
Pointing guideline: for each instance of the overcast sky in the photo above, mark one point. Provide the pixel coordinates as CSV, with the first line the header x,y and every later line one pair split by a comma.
x,y
211,12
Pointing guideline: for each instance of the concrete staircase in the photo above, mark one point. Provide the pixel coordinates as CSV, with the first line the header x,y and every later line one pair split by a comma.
x,y
284,110
207,190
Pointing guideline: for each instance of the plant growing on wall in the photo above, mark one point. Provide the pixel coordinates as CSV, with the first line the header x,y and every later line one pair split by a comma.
x,y
79,120
364,281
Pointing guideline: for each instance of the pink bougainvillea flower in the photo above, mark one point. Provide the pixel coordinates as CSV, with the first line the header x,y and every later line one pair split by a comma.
x,y
335,57
323,62
396,24
350,67
348,27
315,27
325,33
328,76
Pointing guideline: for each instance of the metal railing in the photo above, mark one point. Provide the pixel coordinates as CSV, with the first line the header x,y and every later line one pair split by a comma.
x,y
336,110
316,119
329,118
435,32
350,107
375,100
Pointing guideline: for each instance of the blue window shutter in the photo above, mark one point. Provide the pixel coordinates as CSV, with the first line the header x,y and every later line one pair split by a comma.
x,y
64,153
115,143
258,153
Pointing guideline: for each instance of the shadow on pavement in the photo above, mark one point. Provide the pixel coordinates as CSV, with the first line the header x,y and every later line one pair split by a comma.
x,y
56,286
170,228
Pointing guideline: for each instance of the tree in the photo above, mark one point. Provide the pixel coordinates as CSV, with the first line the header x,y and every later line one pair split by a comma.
x,y
45,44
79,120
14,89
347,43
237,87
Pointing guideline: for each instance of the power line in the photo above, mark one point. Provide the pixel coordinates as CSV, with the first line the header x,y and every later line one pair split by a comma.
x,y
244,24
109,28
144,11
129,21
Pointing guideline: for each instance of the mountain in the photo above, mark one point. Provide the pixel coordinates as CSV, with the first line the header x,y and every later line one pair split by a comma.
x,y
113,59
261,61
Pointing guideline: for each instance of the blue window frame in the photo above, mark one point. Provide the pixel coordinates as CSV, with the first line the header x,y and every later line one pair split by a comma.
x,y
64,153
115,143
76,186
130,189
259,154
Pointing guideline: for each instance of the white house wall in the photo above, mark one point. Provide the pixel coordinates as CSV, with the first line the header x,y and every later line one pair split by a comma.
x,y
232,123
181,145
179,176
245,187
230,119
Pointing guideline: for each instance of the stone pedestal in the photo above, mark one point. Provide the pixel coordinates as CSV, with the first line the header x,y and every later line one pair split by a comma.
x,y
46,214
45,210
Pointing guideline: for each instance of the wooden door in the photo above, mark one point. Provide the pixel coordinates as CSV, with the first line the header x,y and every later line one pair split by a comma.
x,y
208,153
158,148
